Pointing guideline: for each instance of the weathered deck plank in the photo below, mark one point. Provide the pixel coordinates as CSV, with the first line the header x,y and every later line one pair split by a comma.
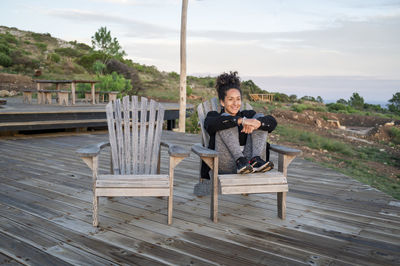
x,y
45,210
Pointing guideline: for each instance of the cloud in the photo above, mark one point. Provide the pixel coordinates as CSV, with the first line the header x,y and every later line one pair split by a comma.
x,y
133,28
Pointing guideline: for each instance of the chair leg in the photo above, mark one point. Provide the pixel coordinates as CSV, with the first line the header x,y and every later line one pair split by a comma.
x,y
214,192
281,197
170,206
172,163
95,211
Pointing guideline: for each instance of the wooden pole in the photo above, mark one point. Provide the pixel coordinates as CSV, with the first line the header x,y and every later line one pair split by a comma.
x,y
73,92
182,84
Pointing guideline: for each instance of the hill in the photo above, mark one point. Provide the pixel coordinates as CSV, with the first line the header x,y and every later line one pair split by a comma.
x,y
25,55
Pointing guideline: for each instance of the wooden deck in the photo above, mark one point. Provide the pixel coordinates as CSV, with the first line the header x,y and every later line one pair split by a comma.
x,y
19,116
45,216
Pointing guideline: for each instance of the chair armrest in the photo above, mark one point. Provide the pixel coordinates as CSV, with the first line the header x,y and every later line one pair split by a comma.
x,y
204,152
285,150
175,150
92,150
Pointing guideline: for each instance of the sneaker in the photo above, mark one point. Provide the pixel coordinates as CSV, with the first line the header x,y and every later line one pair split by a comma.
x,y
261,166
243,166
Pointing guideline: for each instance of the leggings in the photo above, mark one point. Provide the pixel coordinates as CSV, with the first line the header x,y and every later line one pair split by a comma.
x,y
228,147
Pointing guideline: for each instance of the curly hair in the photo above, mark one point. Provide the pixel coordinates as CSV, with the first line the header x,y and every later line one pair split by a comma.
x,y
227,81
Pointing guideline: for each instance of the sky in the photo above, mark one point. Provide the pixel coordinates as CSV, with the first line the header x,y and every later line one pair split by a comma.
x,y
304,47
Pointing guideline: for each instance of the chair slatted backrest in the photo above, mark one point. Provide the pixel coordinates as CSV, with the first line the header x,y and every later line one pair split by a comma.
x,y
211,105
134,133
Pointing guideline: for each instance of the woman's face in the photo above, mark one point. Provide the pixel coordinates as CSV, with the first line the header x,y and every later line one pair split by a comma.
x,y
232,101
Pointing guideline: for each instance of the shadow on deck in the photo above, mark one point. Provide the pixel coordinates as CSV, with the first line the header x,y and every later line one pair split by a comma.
x,y
45,215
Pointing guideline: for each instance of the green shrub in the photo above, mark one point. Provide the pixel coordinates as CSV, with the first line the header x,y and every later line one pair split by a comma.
x,y
8,38
42,46
189,90
83,46
394,133
98,67
114,82
70,52
55,57
81,88
281,97
5,60
88,60
341,108
41,37
143,68
301,107
173,75
4,48
313,140
192,123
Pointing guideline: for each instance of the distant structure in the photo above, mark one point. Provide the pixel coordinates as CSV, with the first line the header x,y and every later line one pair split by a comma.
x,y
269,97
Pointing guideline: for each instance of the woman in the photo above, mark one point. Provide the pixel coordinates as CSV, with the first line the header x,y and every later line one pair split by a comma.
x,y
238,136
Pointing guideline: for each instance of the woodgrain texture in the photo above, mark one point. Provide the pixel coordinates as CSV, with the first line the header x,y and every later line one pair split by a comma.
x,y
46,217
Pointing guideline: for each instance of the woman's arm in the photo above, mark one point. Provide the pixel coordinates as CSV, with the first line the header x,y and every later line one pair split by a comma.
x,y
268,123
215,121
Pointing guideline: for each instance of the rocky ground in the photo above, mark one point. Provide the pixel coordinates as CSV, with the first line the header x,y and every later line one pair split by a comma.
x,y
353,130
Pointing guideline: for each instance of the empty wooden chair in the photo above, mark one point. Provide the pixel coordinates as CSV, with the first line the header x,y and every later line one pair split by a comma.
x,y
272,181
134,136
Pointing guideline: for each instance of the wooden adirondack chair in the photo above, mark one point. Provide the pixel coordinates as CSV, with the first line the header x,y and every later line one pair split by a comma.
x,y
135,138
272,181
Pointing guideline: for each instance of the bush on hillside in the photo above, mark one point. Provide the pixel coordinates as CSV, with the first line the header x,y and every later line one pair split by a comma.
x,y
81,88
5,60
173,75
356,101
54,57
98,67
8,38
340,108
88,60
41,37
249,87
281,97
42,46
83,46
394,134
129,73
373,107
394,105
301,107
114,82
70,52
4,48
293,98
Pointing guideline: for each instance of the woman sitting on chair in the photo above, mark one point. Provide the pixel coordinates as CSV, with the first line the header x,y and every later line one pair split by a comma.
x,y
238,136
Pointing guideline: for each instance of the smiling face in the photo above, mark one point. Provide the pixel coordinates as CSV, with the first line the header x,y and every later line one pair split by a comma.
x,y
232,101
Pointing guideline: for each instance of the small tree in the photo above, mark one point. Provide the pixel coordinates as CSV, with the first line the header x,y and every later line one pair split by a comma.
x,y
308,98
342,101
114,82
98,67
395,103
293,98
319,99
356,101
110,48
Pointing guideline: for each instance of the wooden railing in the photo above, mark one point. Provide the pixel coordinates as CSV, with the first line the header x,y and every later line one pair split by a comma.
x,y
262,97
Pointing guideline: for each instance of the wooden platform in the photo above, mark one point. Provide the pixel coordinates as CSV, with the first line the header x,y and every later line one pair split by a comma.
x,y
19,116
45,216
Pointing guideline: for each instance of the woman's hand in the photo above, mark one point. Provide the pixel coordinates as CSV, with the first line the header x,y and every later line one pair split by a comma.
x,y
249,125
